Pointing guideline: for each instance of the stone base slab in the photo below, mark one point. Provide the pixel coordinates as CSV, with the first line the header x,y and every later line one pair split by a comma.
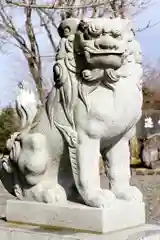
x,y
18,232
121,215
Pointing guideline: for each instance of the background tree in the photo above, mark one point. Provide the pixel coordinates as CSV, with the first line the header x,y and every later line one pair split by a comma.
x,y
151,87
27,41
9,123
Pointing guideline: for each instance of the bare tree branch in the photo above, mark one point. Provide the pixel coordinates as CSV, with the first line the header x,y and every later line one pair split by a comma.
x,y
50,17
30,51
46,28
34,60
11,29
55,5
148,26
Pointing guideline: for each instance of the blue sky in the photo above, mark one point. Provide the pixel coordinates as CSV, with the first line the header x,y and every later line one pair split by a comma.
x,y
150,38
13,67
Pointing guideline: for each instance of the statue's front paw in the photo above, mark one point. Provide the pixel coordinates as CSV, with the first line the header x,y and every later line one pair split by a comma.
x,y
130,193
99,198
48,193
54,195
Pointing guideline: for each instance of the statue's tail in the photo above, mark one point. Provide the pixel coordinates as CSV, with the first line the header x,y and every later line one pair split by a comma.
x,y
26,107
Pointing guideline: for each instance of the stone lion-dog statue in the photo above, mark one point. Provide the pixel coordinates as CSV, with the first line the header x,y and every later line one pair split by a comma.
x,y
92,109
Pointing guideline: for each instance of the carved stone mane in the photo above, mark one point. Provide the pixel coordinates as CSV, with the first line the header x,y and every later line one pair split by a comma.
x,y
75,75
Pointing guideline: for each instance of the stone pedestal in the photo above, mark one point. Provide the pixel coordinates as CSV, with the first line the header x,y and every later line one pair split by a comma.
x,y
121,215
19,232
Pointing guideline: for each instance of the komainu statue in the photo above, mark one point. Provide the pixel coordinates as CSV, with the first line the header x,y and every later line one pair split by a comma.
x,y
92,109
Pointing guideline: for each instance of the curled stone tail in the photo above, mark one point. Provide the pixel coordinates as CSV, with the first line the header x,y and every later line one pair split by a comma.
x,y
26,107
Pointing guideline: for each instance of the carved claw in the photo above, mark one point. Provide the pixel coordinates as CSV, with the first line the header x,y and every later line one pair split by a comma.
x,y
13,146
130,193
55,195
99,198
18,191
6,164
12,139
48,193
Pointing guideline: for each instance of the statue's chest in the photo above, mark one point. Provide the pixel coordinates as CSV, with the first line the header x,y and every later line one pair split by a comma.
x,y
105,102
128,99
114,111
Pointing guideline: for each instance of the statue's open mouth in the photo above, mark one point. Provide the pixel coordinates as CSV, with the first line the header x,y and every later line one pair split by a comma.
x,y
104,59
108,50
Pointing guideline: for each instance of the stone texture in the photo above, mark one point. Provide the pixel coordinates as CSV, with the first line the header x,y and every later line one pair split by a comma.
x,y
120,215
59,145
98,76
12,232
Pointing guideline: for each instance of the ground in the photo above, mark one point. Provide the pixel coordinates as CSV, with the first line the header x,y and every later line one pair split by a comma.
x,y
149,185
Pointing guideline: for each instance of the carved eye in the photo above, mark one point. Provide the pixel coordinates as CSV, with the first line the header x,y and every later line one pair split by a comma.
x,y
106,29
95,30
116,33
104,33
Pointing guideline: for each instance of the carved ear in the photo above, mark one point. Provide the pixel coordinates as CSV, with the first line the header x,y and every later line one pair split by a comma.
x,y
68,27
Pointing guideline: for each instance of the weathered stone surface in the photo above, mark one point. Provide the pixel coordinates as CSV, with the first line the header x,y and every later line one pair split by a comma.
x,y
18,232
97,76
119,215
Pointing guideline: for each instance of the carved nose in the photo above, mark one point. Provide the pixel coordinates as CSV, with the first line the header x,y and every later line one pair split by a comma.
x,y
105,42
